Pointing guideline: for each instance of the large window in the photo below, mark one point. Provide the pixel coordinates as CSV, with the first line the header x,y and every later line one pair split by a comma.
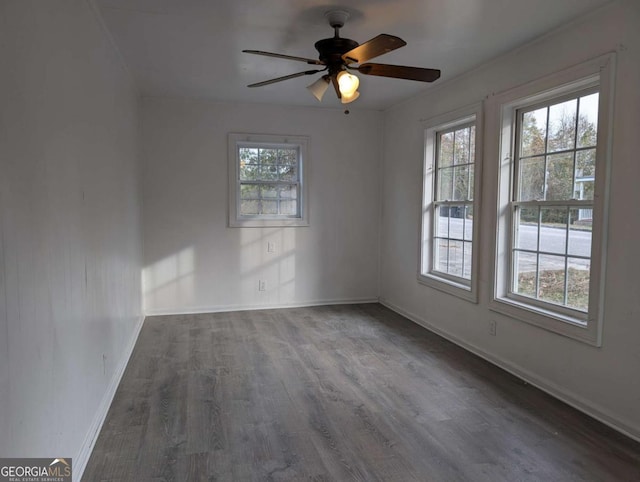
x,y
266,176
449,215
552,207
552,199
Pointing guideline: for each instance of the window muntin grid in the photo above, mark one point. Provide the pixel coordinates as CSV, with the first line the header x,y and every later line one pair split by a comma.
x,y
553,202
453,202
269,180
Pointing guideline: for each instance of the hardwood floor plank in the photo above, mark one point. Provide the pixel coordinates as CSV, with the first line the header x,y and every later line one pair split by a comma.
x,y
336,393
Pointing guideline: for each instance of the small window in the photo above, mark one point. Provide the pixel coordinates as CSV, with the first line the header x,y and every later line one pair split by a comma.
x,y
449,221
552,200
267,180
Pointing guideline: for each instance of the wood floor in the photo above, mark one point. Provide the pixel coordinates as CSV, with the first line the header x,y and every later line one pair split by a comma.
x,y
336,393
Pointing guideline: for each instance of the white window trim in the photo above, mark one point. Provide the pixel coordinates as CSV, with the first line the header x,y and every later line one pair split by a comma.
x,y
259,221
501,110
426,275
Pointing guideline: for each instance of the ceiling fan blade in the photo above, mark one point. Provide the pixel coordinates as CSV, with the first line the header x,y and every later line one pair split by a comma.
x,y
334,81
286,77
400,72
379,45
282,56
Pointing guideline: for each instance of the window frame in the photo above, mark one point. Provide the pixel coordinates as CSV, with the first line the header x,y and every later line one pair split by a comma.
x,y
570,203
239,140
504,108
433,129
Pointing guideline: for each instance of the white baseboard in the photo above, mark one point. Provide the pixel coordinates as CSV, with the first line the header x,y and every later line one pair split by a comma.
x,y
547,386
81,459
271,306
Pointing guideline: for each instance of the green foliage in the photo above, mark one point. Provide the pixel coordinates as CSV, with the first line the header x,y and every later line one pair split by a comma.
x,y
545,175
551,287
279,168
455,165
262,164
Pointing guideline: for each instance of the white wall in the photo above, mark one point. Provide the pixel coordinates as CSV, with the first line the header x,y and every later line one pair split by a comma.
x,y
194,262
70,259
603,381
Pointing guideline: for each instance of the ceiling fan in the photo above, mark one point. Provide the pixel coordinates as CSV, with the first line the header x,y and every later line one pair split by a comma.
x,y
340,55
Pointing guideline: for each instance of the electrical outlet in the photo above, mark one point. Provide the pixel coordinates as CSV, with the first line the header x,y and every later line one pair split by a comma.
x,y
271,247
262,285
492,328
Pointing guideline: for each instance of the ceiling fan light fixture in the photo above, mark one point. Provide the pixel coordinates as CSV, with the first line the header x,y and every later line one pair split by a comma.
x,y
348,84
339,55
348,99
319,87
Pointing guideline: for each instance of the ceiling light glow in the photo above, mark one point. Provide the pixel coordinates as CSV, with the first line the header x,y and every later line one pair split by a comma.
x,y
348,84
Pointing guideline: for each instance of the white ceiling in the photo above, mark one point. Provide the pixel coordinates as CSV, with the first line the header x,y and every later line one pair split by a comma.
x,y
193,48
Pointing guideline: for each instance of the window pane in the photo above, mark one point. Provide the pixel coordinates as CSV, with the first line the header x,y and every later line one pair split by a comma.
x,y
461,188
269,207
455,258
288,191
466,269
461,154
249,207
562,126
445,184
578,284
551,278
533,131
580,232
288,156
525,266
442,225
249,191
456,221
441,257
288,173
269,191
248,155
585,174
468,223
527,228
553,230
588,120
531,179
268,157
269,173
249,172
471,178
289,208
445,157
559,177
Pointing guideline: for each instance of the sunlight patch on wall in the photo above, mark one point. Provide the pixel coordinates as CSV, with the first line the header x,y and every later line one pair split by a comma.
x,y
170,278
268,265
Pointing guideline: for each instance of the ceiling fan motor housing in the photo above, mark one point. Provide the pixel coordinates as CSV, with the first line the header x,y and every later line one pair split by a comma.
x,y
332,49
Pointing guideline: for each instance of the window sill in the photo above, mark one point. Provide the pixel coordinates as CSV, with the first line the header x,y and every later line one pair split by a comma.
x,y
574,328
448,286
268,223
